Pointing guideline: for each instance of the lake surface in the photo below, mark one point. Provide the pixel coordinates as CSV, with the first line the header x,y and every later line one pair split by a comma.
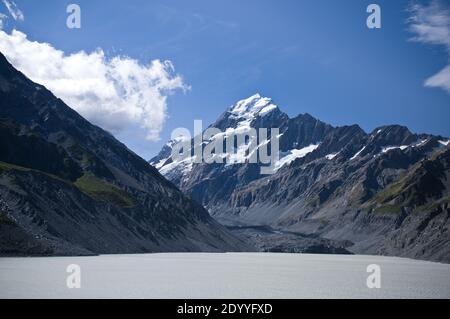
x,y
228,275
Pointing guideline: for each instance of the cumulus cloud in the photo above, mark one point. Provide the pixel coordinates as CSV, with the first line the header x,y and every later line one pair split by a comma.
x,y
116,93
431,24
14,11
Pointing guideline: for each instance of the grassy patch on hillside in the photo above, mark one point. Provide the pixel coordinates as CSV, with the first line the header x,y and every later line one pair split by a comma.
x,y
391,191
434,205
12,167
388,209
386,201
103,191
7,167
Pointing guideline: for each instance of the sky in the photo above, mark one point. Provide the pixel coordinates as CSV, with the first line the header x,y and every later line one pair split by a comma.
x,y
142,68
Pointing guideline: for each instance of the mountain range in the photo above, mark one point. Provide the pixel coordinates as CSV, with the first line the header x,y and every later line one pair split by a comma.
x,y
333,189
68,187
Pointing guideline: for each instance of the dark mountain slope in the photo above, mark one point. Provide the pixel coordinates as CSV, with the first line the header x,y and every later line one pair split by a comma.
x,y
69,187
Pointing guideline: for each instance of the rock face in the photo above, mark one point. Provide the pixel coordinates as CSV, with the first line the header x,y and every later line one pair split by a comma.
x,y
385,192
68,187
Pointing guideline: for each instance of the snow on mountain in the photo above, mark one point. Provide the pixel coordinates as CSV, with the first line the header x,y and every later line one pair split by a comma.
x,y
248,109
445,143
184,166
358,153
331,156
388,148
293,154
238,120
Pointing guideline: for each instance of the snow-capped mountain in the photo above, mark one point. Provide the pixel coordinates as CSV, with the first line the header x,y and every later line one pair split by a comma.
x,y
383,192
254,112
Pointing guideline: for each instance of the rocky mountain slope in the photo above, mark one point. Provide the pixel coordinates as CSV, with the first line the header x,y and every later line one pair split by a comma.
x,y
69,187
383,192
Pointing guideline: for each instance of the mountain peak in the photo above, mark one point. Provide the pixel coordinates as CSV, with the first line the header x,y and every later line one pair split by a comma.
x,y
251,107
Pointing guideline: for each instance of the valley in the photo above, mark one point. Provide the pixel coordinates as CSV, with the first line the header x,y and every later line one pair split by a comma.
x,y
383,192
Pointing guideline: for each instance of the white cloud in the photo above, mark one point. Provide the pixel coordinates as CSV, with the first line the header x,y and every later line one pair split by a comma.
x,y
14,10
2,18
116,93
431,24
441,79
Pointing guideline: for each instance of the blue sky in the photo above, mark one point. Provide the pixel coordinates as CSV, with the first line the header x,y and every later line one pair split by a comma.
x,y
309,56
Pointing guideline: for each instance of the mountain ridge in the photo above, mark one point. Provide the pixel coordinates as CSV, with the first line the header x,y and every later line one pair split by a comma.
x,y
68,187
325,178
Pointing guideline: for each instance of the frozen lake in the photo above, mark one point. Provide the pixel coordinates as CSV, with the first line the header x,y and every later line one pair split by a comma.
x,y
230,275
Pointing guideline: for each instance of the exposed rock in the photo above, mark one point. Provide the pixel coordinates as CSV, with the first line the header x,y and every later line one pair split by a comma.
x,y
72,188
386,191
